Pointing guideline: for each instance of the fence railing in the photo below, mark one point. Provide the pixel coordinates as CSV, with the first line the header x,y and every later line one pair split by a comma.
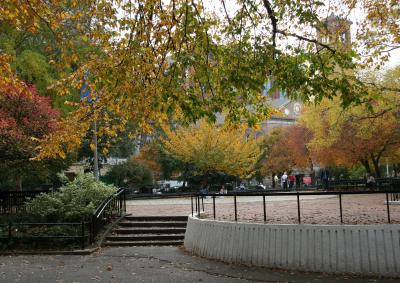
x,y
12,202
83,232
18,232
379,184
114,206
197,201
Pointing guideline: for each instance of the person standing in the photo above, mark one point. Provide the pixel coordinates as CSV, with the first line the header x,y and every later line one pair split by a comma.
x,y
275,181
325,179
291,179
284,181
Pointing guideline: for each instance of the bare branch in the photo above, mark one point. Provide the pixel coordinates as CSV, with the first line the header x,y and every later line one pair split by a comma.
x,y
273,19
308,40
226,12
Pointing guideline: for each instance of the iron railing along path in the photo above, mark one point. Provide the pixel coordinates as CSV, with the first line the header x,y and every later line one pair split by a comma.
x,y
114,206
12,202
14,231
197,200
84,232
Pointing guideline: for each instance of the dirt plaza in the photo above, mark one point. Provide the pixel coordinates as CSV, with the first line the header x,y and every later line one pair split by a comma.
x,y
357,209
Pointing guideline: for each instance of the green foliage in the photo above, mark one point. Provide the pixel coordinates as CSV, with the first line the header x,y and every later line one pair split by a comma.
x,y
34,69
131,174
75,201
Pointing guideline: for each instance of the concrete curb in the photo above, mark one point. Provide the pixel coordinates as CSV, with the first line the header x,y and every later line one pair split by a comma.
x,y
74,252
359,249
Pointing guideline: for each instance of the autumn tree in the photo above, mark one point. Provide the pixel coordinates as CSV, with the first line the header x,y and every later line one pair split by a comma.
x,y
132,174
354,135
164,165
286,149
152,59
214,149
25,117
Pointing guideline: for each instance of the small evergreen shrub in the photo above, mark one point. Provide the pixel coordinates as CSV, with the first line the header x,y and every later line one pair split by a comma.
x,y
75,201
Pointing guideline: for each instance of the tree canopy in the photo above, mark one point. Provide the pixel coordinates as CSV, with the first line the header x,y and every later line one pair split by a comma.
x,y
356,135
150,60
286,148
214,149
25,118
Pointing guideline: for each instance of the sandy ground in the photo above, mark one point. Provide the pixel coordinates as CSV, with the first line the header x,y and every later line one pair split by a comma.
x,y
357,209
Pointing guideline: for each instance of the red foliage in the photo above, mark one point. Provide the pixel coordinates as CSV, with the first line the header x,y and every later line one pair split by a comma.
x,y
24,117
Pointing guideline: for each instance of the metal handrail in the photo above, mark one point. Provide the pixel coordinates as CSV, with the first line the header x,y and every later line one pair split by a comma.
x,y
294,193
116,201
105,203
197,200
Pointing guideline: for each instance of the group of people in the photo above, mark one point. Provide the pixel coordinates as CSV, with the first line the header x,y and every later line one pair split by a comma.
x,y
287,181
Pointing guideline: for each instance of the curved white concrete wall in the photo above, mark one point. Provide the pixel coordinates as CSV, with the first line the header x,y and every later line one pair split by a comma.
x,y
365,249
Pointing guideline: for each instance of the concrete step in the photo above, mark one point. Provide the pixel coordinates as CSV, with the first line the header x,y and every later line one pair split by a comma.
x,y
145,237
149,230
144,243
156,218
152,223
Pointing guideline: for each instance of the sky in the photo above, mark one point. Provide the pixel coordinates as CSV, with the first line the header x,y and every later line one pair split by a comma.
x,y
355,16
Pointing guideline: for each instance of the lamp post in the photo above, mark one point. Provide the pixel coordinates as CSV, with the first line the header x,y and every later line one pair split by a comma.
x,y
85,94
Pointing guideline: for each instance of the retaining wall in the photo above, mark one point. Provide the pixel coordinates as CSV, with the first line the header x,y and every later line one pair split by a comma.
x,y
364,249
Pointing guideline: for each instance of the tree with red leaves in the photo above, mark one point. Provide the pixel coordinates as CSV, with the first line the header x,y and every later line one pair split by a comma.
x,y
25,117
286,149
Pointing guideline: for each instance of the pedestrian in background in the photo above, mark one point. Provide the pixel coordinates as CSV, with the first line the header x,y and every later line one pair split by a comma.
x,y
284,181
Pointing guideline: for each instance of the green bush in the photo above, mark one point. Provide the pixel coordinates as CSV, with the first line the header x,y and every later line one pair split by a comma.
x,y
75,201
131,174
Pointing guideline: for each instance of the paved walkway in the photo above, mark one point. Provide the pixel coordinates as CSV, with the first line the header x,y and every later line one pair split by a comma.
x,y
147,264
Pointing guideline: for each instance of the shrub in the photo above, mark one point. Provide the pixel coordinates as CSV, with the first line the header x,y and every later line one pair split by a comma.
x,y
75,201
132,174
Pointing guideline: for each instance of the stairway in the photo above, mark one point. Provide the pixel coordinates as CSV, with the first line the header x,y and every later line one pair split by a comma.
x,y
148,231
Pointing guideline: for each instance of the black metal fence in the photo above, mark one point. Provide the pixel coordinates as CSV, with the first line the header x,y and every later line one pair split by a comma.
x,y
12,202
361,184
197,201
34,232
83,232
112,207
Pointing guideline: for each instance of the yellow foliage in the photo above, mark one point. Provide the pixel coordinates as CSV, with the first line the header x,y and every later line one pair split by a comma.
x,y
214,148
356,134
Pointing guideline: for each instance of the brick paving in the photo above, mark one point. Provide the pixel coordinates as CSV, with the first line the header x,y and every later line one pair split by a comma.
x,y
357,209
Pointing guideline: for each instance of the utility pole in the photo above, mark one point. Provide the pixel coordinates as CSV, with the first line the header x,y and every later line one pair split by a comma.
x,y
95,155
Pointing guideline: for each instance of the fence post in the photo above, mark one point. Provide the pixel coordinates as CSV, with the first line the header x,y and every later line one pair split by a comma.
x,y
191,202
93,232
9,231
265,212
214,205
340,208
83,235
387,206
298,207
120,203
124,200
234,198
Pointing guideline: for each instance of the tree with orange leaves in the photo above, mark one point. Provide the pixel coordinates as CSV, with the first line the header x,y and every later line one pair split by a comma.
x,y
354,135
286,148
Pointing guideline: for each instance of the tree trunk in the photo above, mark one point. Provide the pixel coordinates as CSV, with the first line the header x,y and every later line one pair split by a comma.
x,y
365,163
375,162
18,183
396,168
